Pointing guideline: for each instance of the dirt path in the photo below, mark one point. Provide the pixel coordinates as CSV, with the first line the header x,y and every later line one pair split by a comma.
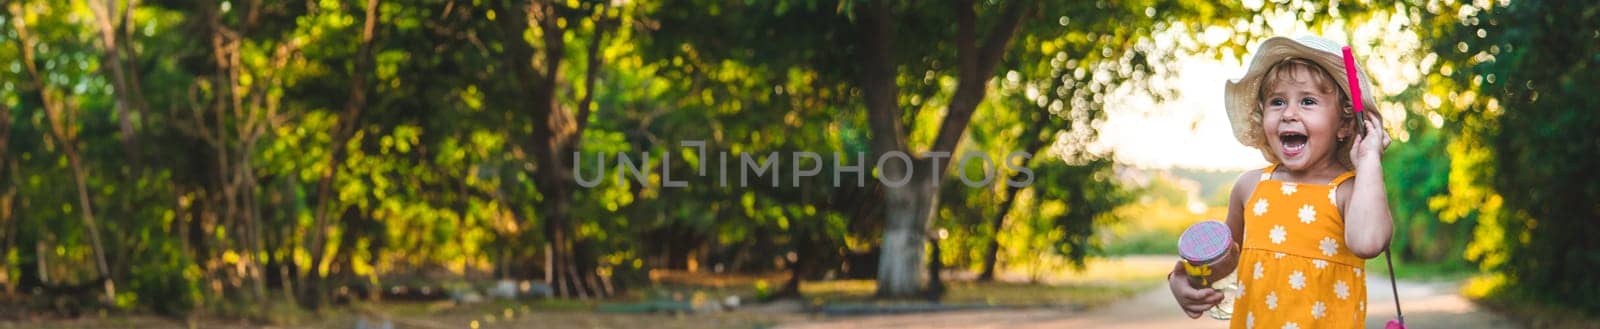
x,y
1427,305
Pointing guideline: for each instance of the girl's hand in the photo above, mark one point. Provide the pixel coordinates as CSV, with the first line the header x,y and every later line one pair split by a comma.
x,y
1370,145
1194,301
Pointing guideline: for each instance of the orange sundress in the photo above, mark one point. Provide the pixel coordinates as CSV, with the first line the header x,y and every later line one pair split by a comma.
x,y
1294,269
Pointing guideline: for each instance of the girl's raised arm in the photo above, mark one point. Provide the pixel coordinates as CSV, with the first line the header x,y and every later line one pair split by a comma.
x,y
1368,224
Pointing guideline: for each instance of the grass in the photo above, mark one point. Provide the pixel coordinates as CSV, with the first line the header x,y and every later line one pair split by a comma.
x,y
1151,228
680,285
1152,242
985,293
1422,271
1101,282
509,314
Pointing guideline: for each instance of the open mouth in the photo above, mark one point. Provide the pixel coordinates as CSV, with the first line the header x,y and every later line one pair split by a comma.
x,y
1293,143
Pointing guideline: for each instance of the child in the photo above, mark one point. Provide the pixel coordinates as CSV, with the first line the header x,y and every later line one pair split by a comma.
x,y
1307,223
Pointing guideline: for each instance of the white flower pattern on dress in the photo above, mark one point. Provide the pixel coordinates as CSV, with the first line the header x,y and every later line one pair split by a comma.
x,y
1298,277
1297,280
1308,214
1329,246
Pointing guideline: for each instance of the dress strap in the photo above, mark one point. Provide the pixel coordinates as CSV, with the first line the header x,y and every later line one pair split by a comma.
x,y
1333,186
1342,177
1266,173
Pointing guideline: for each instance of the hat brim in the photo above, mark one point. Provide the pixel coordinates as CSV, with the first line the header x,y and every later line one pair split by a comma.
x,y
1240,94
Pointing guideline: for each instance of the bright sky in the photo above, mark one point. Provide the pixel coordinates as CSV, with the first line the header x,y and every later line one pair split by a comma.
x,y
1190,130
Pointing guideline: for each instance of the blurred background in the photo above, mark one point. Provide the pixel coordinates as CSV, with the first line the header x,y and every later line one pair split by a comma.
x,y
339,163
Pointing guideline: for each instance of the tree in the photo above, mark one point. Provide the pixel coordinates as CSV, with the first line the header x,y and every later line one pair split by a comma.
x,y
909,206
348,121
61,113
898,57
1511,90
535,70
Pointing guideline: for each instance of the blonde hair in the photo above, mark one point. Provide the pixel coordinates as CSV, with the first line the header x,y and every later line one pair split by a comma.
x,y
1301,70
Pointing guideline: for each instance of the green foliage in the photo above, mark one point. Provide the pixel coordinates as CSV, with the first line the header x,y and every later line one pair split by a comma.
x,y
1423,165
204,164
1497,127
1529,63
1089,192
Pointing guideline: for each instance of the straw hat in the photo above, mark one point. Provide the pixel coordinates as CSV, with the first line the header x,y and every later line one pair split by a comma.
x,y
1240,94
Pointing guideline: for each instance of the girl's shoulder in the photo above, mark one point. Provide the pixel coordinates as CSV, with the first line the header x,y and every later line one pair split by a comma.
x,y
1344,191
1246,184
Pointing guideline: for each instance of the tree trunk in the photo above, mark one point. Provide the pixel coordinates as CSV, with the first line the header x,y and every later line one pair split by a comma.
x,y
555,135
81,177
56,113
9,227
910,208
112,44
936,286
803,239
239,119
285,265
991,253
908,211
316,289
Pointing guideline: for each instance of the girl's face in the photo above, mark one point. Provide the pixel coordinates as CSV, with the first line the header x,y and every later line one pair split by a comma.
x,y
1301,117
